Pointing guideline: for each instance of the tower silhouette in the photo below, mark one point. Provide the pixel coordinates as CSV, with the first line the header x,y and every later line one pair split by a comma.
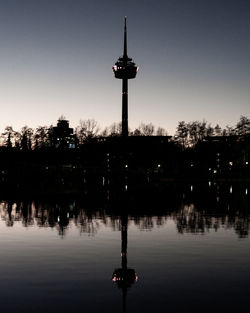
x,y
124,276
125,69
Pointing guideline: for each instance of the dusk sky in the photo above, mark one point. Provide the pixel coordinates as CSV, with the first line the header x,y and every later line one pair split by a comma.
x,y
56,58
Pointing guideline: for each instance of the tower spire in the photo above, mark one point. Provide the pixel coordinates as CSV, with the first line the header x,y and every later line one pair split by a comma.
x,y
125,56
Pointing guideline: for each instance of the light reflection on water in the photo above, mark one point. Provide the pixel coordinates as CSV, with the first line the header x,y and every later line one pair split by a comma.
x,y
190,254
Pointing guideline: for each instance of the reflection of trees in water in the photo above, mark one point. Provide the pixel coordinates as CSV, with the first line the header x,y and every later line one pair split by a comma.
x,y
12,212
148,222
188,218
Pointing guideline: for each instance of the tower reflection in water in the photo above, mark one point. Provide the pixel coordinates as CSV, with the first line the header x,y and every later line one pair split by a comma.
x,y
124,277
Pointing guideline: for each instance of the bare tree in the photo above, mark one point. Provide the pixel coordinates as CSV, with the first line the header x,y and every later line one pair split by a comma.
x,y
115,129
86,130
147,129
104,132
161,131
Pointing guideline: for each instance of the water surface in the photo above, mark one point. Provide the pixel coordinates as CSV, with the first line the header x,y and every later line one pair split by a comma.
x,y
190,253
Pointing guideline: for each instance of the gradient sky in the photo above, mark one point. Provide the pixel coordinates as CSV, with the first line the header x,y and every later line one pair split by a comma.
x,y
56,58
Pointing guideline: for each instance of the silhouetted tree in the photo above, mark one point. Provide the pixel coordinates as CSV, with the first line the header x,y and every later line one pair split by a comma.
x,y
8,136
147,129
115,129
104,133
25,138
217,130
182,134
136,132
41,137
243,126
86,130
230,131
195,132
161,131
202,130
209,130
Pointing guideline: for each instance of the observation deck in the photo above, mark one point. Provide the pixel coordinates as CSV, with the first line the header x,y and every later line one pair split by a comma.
x,y
125,68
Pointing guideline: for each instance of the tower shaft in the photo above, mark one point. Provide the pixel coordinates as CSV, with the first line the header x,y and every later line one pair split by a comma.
x,y
125,107
124,237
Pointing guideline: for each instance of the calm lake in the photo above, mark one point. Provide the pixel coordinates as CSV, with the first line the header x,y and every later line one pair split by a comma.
x,y
162,249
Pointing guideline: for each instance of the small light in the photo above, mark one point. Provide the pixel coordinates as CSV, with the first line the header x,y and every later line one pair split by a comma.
x,y
215,171
209,183
191,165
209,169
68,215
231,189
247,163
58,219
191,188
246,191
231,163
126,165
126,187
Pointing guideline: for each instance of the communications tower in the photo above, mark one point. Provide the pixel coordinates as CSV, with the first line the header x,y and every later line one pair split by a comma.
x,y
125,69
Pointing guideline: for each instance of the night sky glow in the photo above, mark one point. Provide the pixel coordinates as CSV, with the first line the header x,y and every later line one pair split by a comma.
x,y
56,58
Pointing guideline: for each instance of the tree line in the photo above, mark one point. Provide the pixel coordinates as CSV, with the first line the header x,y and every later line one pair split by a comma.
x,y
187,134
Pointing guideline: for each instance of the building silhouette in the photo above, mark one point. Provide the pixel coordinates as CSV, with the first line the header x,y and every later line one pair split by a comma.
x,y
62,135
